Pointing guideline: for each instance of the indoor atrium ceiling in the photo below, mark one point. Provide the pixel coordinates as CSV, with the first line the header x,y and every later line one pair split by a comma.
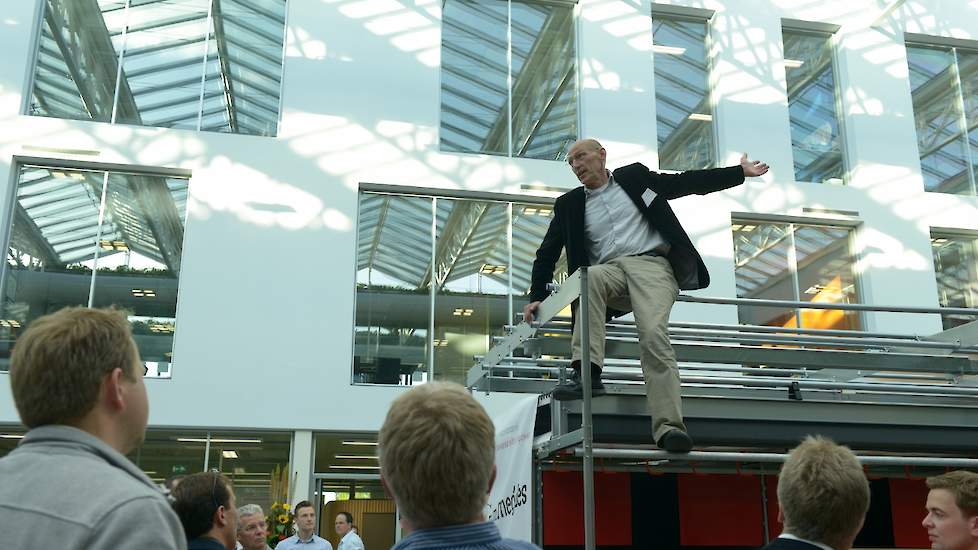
x,y
162,45
395,239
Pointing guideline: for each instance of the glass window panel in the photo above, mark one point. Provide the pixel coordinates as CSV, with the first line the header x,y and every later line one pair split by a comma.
x,y
474,74
938,118
684,117
471,260
139,260
346,453
10,437
544,80
968,69
393,293
257,463
956,269
762,270
825,275
807,263
476,97
165,454
77,60
51,248
530,223
164,43
816,138
162,64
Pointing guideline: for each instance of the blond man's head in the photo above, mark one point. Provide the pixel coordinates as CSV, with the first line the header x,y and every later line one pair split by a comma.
x,y
823,493
952,511
59,363
437,455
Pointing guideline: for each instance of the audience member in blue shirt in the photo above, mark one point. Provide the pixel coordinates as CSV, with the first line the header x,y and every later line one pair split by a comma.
x,y
437,459
305,524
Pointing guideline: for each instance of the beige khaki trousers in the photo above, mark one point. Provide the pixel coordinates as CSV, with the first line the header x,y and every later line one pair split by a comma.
x,y
646,285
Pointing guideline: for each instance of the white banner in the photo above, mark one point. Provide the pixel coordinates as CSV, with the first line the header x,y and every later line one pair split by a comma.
x,y
510,505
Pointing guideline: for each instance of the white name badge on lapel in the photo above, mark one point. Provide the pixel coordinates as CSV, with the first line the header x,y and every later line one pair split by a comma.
x,y
648,196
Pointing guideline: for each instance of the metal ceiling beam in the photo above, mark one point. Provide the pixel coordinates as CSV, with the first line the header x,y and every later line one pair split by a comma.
x,y
456,233
158,211
225,60
79,30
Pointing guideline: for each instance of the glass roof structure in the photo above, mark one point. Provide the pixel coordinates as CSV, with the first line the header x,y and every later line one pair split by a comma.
x,y
476,99
938,76
213,65
395,239
762,253
57,217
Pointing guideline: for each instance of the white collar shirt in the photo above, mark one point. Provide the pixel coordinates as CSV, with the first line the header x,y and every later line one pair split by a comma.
x,y
615,227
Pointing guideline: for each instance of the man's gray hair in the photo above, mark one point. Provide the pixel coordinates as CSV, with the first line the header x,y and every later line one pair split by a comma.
x,y
249,510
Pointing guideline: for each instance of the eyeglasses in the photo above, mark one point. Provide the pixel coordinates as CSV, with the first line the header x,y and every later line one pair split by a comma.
x,y
214,492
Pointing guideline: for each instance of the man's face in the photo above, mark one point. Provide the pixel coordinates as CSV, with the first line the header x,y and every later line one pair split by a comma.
x,y
137,402
231,516
252,533
305,519
947,526
588,163
342,526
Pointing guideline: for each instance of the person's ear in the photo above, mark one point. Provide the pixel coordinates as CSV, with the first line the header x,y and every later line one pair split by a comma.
x,y
221,516
387,490
113,394
780,514
973,526
492,479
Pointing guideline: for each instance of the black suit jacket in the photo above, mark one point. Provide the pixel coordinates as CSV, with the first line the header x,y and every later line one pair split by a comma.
x,y
567,226
789,544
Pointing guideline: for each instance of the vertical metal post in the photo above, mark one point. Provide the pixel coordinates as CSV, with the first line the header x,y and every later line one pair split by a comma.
x,y
203,63
207,451
586,425
98,238
764,508
432,294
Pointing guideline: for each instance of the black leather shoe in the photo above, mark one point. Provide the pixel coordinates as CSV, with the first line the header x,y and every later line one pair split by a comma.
x,y
676,441
572,389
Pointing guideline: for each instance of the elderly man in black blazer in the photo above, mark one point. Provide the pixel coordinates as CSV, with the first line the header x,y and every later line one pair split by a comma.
x,y
621,224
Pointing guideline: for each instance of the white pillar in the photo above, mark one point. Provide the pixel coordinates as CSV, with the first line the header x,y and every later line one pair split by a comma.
x,y
300,465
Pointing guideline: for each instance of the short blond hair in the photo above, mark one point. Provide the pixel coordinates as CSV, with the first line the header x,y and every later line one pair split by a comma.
x,y
963,485
58,363
437,450
823,492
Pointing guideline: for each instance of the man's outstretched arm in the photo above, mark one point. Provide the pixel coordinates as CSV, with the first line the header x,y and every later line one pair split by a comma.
x,y
701,182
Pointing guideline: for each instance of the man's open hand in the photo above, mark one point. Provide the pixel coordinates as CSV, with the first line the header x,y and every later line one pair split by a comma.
x,y
753,168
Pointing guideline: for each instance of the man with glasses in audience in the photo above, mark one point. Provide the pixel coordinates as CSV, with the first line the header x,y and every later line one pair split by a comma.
x,y
77,382
205,504
252,530
305,526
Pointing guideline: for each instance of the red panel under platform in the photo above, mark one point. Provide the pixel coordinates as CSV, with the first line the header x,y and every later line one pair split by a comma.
x,y
563,508
720,510
908,498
